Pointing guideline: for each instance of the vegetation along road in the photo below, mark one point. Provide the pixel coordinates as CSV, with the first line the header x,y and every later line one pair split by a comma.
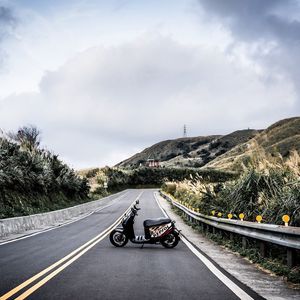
x,y
77,261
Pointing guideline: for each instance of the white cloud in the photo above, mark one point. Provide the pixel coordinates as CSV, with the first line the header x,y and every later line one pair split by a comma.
x,y
269,32
105,79
107,102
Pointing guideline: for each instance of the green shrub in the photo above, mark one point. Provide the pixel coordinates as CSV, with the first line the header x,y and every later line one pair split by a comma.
x,y
33,179
117,178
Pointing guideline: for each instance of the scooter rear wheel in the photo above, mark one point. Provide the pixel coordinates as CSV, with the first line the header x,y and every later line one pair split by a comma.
x,y
170,240
118,239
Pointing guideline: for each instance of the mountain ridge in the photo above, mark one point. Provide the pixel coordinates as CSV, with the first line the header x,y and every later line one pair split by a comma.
x,y
188,151
220,151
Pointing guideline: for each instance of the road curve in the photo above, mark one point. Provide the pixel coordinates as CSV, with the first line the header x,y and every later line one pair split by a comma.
x,y
98,270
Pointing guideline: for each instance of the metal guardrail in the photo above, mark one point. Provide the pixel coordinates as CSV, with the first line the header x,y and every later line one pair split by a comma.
x,y
276,234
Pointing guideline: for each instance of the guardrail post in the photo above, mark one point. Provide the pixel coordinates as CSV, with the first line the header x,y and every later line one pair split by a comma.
x,y
210,228
207,228
291,257
214,230
262,249
202,226
244,242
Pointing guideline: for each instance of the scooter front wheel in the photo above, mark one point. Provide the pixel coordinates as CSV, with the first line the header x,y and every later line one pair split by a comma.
x,y
170,240
118,238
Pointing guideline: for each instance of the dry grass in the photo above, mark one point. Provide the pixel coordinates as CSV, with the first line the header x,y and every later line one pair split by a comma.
x,y
282,137
269,185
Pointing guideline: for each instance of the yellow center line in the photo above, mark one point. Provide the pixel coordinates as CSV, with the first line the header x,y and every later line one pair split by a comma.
x,y
95,240
35,277
55,272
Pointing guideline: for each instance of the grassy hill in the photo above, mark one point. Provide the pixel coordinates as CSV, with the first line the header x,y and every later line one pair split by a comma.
x,y
225,152
281,137
189,152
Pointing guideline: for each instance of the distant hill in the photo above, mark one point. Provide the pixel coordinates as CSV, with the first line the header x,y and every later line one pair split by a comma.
x,y
281,137
191,151
225,152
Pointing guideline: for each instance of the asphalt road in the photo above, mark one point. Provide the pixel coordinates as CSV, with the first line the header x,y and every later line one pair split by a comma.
x,y
101,271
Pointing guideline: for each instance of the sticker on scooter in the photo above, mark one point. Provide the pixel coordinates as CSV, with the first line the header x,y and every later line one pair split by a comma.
x,y
160,230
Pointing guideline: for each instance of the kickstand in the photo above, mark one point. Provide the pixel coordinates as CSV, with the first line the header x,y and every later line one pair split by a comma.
x,y
142,246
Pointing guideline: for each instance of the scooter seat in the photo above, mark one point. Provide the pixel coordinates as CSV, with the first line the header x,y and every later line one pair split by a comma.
x,y
156,222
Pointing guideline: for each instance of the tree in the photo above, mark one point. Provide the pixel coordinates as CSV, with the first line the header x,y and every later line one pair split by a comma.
x,y
27,136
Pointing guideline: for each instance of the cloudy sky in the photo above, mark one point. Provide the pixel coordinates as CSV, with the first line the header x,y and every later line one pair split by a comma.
x,y
104,79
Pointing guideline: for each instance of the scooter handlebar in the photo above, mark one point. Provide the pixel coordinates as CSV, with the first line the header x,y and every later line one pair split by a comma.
x,y
136,208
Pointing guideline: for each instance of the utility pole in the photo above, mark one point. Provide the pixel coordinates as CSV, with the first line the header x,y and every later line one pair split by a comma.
x,y
184,131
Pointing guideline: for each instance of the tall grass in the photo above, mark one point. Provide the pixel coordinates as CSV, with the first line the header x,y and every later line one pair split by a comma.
x,y
268,186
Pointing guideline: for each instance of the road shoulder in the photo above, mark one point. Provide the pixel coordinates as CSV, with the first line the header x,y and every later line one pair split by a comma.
x,y
266,285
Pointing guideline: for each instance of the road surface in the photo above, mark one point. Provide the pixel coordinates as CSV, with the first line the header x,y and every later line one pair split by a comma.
x,y
77,261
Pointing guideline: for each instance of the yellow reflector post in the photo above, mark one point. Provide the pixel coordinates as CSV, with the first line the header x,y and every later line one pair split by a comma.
x,y
219,214
286,220
258,218
242,216
213,212
229,216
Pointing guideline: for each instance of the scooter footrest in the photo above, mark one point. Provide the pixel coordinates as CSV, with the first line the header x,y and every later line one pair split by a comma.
x,y
140,238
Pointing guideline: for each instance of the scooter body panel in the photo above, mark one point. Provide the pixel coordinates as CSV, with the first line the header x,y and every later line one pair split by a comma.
x,y
158,231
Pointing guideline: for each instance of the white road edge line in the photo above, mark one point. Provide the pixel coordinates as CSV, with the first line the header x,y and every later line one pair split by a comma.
x,y
229,283
62,225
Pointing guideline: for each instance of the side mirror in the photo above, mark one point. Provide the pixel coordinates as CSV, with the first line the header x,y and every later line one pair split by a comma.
x,y
137,201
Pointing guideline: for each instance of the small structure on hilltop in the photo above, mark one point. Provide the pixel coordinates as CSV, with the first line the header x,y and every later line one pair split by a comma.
x,y
152,163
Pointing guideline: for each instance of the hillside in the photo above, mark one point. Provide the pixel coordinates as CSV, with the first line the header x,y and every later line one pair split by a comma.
x,y
191,151
226,152
281,137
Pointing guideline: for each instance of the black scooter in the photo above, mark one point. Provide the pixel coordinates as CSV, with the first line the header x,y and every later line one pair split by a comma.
x,y
161,230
